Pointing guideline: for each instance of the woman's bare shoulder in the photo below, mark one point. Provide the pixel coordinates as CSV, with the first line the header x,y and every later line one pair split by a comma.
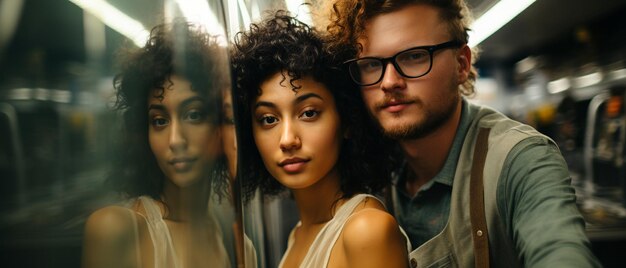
x,y
370,224
110,238
110,222
371,238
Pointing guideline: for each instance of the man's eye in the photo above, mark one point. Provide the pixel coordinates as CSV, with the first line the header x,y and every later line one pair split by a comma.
x,y
369,65
416,56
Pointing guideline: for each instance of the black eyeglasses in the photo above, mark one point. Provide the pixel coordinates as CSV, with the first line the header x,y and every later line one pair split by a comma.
x,y
411,63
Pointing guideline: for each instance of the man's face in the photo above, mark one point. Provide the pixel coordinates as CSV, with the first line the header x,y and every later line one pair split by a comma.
x,y
410,108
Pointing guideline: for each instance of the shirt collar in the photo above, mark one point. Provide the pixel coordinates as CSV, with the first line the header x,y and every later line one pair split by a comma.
x,y
446,174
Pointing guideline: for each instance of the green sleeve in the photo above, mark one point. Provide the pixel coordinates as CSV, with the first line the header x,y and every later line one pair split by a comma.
x,y
538,206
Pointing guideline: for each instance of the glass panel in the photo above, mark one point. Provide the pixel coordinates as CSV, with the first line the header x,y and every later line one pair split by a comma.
x,y
73,163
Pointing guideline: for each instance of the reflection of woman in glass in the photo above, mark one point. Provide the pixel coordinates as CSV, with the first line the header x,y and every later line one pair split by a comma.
x,y
170,94
306,131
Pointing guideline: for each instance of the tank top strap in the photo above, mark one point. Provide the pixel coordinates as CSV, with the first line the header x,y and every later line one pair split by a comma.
x,y
345,211
153,211
164,253
133,218
319,251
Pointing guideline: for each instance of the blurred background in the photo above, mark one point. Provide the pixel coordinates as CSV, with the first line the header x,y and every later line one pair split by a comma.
x,y
558,65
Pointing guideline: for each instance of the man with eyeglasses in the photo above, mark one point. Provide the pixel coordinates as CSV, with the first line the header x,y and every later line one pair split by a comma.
x,y
475,189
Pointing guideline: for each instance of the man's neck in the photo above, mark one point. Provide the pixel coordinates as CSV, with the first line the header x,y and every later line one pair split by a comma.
x,y
427,155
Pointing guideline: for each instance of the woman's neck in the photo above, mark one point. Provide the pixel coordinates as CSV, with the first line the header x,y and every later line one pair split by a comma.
x,y
186,204
316,203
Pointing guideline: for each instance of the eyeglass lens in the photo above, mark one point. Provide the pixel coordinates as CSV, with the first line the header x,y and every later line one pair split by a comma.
x,y
410,63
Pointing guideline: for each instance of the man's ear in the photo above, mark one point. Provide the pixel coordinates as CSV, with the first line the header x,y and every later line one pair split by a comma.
x,y
464,59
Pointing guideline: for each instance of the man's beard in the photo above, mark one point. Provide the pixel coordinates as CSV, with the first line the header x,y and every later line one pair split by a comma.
x,y
433,121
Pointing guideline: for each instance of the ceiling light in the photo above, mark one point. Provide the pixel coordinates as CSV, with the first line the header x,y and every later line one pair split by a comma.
x,y
526,65
115,19
198,11
558,85
588,80
238,17
496,17
618,74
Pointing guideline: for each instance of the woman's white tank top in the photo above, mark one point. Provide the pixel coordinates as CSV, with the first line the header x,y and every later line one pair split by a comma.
x,y
319,252
164,251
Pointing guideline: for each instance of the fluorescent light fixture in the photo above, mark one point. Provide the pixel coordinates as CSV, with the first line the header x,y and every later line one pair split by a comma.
x,y
62,96
115,19
233,18
618,74
199,12
20,93
41,94
525,65
300,10
245,15
559,85
588,80
238,12
496,17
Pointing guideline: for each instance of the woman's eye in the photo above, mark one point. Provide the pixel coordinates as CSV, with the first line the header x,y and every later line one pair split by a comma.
x,y
159,122
194,116
309,114
268,120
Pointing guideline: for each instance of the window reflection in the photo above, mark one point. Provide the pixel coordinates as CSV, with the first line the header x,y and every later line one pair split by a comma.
x,y
60,137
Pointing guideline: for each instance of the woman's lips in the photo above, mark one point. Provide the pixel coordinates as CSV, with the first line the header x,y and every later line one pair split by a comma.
x,y
182,164
293,165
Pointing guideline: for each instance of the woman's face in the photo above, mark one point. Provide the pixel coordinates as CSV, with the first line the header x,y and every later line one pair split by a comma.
x,y
297,134
229,140
182,139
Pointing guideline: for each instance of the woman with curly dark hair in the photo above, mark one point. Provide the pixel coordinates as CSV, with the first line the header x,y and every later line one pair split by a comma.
x,y
302,122
169,93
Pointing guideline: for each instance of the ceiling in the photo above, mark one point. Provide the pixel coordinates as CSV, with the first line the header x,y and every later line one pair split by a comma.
x,y
547,23
48,41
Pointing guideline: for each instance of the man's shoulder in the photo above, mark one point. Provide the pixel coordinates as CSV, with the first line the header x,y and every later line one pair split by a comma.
x,y
502,128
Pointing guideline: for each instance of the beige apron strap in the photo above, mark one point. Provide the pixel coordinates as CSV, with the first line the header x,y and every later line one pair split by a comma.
x,y
477,202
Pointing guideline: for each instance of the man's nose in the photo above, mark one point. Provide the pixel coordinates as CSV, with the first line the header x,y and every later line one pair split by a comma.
x,y
392,79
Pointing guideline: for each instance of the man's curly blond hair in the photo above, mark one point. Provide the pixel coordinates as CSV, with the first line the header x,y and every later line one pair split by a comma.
x,y
345,22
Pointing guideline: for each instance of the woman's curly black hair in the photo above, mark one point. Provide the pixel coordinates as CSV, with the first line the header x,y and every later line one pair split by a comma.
x,y
281,43
177,48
